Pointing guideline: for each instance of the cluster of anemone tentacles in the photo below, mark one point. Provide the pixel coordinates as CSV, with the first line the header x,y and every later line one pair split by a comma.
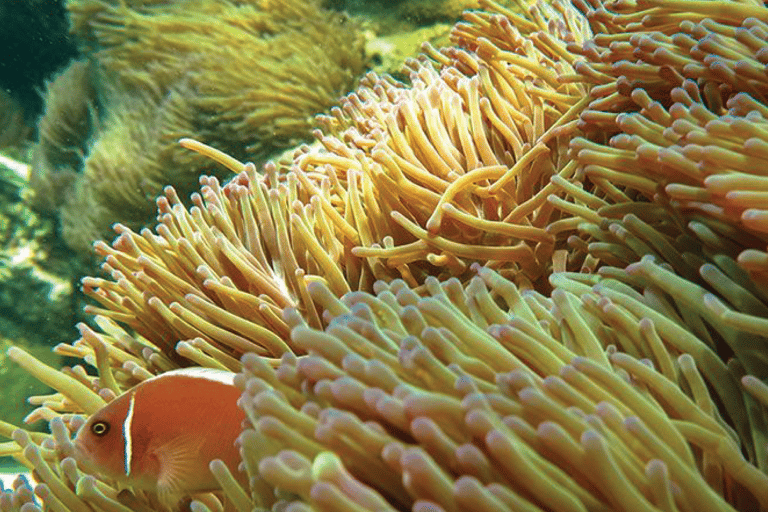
x,y
532,279
153,71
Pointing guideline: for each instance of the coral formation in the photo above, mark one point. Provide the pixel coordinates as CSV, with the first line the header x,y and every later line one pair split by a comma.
x,y
243,77
531,279
388,50
426,10
48,312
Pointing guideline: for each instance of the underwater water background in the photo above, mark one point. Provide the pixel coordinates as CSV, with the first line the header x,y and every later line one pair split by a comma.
x,y
40,297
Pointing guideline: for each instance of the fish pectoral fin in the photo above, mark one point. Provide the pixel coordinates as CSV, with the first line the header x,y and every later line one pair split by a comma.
x,y
179,462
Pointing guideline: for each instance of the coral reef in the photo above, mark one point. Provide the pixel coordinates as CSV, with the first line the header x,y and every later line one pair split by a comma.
x,y
426,10
417,12
387,51
243,77
48,312
531,279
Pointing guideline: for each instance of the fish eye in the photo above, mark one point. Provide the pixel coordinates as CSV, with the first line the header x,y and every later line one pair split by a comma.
x,y
100,428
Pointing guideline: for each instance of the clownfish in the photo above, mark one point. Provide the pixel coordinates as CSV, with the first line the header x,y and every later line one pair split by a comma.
x,y
162,434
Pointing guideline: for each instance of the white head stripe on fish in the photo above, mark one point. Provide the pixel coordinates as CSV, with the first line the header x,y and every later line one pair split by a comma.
x,y
127,435
212,374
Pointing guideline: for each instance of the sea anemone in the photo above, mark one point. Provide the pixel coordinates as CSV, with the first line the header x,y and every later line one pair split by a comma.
x,y
518,283
163,70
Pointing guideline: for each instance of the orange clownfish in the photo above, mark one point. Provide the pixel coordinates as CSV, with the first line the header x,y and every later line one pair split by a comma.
x,y
162,434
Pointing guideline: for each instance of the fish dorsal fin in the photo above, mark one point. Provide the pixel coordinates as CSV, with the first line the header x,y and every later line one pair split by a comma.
x,y
179,461
212,374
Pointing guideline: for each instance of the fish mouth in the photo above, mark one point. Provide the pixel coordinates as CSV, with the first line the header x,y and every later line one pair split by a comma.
x,y
82,457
